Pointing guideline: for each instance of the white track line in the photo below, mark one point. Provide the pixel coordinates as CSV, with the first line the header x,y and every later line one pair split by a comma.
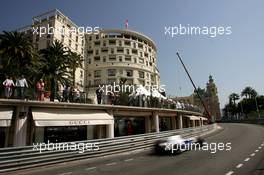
x,y
253,154
229,173
239,165
90,168
259,147
66,173
110,164
256,150
247,159
127,160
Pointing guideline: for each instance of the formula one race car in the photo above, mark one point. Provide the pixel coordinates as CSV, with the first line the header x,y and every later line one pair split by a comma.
x,y
177,144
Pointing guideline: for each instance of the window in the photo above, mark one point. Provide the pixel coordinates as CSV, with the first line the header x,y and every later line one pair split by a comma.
x,y
120,58
97,58
70,43
104,50
62,38
89,52
112,57
127,51
104,58
97,82
81,74
111,72
127,43
134,51
112,42
112,51
97,43
96,52
76,47
120,50
134,45
127,58
141,60
129,73
120,43
135,60
97,73
104,43
141,74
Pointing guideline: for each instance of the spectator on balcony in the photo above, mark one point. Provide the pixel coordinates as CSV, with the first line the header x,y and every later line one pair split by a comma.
x,y
21,84
98,95
40,90
65,93
8,84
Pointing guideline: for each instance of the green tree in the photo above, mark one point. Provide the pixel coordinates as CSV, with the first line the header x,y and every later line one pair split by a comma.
x,y
16,53
249,92
54,66
233,98
74,61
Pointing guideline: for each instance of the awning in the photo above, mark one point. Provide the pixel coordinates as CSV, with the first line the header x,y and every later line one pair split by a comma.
x,y
203,118
70,117
5,116
192,117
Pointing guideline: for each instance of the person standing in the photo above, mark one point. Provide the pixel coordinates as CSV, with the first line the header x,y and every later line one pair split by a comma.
x,y
21,84
9,84
40,90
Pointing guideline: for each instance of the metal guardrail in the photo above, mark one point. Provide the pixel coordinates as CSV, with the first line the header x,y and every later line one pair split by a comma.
x,y
18,158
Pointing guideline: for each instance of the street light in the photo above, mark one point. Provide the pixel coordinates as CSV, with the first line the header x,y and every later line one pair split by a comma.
x,y
55,84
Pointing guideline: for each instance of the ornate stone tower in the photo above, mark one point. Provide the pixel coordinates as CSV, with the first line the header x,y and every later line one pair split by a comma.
x,y
213,100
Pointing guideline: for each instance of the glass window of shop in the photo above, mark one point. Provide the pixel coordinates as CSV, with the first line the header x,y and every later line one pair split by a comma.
x,y
129,126
165,123
65,134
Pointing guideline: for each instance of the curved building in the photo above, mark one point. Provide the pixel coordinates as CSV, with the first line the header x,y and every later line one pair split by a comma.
x,y
116,54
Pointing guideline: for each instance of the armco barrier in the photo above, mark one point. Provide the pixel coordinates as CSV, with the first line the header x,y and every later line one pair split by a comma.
x,y
17,158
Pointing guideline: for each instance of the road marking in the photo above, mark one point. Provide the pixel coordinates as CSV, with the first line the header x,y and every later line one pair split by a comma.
x,y
239,165
256,150
66,173
259,147
253,154
90,168
262,144
247,159
229,173
110,164
127,160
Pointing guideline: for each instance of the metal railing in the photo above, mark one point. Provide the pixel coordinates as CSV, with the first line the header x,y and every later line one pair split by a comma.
x,y
18,158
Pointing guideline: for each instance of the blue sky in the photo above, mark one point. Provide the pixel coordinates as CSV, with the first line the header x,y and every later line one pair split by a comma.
x,y
235,60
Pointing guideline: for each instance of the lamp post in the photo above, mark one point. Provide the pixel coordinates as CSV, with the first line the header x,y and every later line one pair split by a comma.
x,y
55,84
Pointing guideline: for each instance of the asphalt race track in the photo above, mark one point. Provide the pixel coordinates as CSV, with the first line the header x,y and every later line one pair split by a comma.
x,y
246,157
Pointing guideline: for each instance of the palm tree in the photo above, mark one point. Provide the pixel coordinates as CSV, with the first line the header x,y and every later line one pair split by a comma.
x,y
16,53
54,66
249,92
75,61
233,98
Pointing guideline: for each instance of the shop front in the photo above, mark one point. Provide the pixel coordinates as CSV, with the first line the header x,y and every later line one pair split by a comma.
x,y
129,125
66,125
165,123
5,123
